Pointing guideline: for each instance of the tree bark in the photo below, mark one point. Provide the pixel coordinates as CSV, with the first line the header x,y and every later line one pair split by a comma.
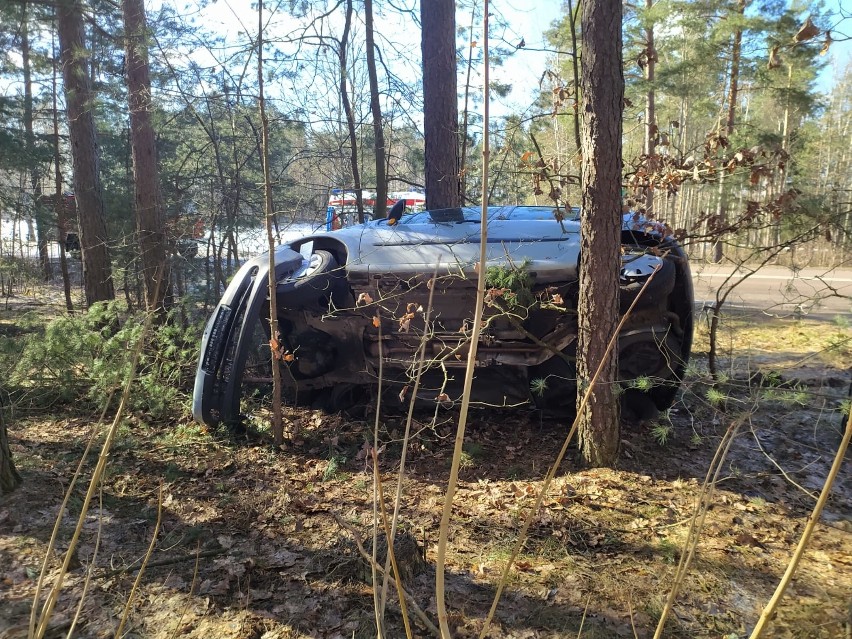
x,y
440,102
736,51
149,210
730,120
9,477
59,201
39,210
651,130
350,114
380,210
97,270
602,105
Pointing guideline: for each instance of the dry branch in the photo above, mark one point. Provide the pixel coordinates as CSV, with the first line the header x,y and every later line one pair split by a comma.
x,y
551,473
769,610
138,580
366,556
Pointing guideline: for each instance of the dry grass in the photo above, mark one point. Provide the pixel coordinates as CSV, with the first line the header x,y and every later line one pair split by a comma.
x,y
260,523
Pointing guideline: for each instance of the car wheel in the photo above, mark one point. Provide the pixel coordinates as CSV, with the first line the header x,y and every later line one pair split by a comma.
x,y
314,285
635,274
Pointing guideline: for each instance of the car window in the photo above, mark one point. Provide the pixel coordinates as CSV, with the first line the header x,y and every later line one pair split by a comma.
x,y
473,214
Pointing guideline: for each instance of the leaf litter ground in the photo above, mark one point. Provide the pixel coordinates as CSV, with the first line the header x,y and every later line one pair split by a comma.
x,y
250,544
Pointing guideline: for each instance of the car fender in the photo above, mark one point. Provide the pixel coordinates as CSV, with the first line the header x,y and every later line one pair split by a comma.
x,y
215,395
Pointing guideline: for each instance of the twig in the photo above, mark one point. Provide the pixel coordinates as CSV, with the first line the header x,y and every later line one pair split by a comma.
x,y
698,518
551,473
583,619
91,567
390,544
51,544
411,602
630,612
769,610
378,608
136,583
97,474
406,438
169,561
778,466
191,588
452,481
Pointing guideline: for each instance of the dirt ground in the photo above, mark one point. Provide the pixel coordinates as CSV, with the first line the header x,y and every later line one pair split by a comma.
x,y
255,542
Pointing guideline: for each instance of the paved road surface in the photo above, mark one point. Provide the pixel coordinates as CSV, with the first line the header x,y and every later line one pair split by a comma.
x,y
777,290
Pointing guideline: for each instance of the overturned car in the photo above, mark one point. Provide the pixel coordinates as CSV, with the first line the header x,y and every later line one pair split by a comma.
x,y
395,297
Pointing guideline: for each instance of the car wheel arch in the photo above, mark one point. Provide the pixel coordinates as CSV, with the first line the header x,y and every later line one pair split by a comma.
x,y
338,249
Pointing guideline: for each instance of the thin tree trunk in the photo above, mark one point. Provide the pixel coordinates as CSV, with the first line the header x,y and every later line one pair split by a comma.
x,y
97,269
350,115
721,214
465,112
277,424
59,200
600,231
730,121
35,183
734,89
651,131
440,102
380,209
149,210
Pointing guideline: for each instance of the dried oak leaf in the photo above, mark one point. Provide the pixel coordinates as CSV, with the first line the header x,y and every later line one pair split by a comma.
x,y
405,322
807,31
826,43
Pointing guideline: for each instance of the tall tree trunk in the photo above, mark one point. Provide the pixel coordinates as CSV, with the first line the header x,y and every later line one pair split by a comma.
x,y
97,270
730,121
466,115
59,201
9,477
734,88
380,209
600,230
651,130
149,210
440,102
35,183
350,114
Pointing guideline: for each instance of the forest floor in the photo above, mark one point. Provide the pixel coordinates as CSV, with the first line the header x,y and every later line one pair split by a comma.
x,y
257,542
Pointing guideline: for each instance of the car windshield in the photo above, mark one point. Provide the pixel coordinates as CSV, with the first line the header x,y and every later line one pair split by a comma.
x,y
473,214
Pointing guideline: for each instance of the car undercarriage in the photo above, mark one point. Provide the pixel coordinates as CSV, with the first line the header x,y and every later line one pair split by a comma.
x,y
345,321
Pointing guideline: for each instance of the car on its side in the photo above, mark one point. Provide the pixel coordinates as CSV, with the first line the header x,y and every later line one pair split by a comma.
x,y
394,297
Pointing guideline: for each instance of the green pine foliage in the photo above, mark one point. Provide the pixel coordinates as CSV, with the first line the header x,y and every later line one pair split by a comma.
x,y
514,282
86,359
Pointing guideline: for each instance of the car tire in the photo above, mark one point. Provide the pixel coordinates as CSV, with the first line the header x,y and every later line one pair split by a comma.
x,y
314,285
659,288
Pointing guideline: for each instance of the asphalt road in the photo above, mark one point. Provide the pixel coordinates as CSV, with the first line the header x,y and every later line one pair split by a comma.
x,y
818,293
